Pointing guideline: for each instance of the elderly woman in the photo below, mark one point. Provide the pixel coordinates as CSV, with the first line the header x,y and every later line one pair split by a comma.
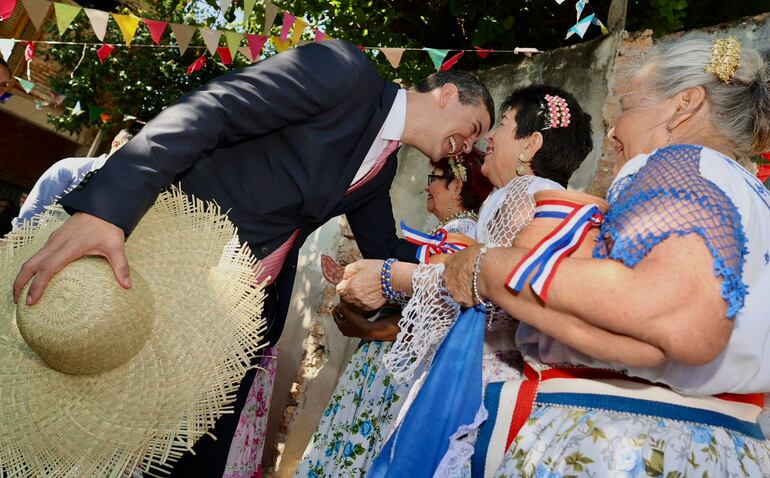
x,y
682,268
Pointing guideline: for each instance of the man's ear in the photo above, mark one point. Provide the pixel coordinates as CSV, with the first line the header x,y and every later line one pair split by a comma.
x,y
448,91
688,102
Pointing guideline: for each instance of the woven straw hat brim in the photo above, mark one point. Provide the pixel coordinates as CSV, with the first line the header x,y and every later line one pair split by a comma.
x,y
146,413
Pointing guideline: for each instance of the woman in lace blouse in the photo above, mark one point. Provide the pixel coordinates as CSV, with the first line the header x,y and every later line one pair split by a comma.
x,y
678,286
366,400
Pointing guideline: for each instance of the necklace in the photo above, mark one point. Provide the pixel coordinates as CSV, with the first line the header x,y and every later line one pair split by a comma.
x,y
457,215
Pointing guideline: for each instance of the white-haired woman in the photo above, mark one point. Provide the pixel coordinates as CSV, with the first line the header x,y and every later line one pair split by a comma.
x,y
682,264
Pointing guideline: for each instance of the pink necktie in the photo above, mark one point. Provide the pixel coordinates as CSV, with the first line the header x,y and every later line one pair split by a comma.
x,y
378,165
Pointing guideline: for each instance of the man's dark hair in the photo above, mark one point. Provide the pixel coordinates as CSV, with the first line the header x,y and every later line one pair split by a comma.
x,y
564,149
471,91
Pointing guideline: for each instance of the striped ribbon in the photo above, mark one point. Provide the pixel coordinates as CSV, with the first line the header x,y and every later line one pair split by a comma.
x,y
544,259
430,244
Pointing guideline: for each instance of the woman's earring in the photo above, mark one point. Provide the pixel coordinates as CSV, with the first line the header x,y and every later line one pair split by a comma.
x,y
670,134
449,209
520,169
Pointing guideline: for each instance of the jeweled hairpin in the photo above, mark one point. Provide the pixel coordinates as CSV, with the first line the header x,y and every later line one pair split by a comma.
x,y
556,112
458,168
725,58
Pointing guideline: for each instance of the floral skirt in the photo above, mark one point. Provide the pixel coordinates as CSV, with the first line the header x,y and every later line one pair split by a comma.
x,y
358,418
559,442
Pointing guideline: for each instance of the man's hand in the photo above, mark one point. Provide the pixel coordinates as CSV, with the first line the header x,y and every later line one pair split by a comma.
x,y
360,284
458,274
332,271
81,235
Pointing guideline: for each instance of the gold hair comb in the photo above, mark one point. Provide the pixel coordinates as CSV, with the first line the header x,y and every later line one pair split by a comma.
x,y
458,168
725,58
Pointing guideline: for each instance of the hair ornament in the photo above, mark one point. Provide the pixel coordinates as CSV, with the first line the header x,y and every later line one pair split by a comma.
x,y
458,168
556,112
725,58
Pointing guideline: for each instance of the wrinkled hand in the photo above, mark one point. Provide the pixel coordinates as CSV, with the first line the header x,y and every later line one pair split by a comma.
x,y
351,322
332,271
458,274
360,285
81,235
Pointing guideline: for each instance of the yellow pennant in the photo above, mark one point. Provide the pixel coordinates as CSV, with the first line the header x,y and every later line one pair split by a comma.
x,y
299,28
128,25
279,45
64,15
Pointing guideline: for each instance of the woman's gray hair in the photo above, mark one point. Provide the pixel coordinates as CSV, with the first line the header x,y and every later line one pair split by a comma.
x,y
741,108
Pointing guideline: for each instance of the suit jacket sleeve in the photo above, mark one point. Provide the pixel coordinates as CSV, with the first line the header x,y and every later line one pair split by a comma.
x,y
374,229
282,90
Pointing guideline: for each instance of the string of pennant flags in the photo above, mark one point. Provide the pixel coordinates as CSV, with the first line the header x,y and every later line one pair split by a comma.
x,y
293,29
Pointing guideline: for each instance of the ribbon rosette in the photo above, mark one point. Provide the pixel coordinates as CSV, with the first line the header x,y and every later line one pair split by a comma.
x,y
442,242
546,256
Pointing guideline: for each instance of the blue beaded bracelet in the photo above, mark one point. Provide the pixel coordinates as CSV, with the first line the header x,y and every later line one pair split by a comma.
x,y
386,280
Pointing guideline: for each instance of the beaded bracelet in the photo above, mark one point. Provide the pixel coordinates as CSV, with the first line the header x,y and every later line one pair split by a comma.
x,y
386,281
475,280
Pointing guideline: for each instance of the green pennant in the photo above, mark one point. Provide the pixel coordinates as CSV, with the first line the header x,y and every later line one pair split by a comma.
x,y
248,6
27,86
233,40
64,15
94,112
437,56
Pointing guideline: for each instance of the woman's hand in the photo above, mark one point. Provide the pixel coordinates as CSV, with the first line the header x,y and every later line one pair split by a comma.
x,y
332,271
361,286
458,274
350,322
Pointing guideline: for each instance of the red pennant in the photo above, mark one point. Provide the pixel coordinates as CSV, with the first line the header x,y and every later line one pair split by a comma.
x,y
105,117
256,42
29,51
361,47
104,51
196,65
6,9
157,28
482,52
320,36
224,54
451,62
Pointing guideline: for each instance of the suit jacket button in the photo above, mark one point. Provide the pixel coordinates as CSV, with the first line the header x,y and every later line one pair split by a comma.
x,y
264,250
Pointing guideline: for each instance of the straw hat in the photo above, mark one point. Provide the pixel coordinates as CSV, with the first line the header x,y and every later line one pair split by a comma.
x,y
97,381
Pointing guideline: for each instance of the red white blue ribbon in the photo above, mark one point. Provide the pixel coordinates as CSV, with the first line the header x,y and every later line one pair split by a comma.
x,y
430,244
544,259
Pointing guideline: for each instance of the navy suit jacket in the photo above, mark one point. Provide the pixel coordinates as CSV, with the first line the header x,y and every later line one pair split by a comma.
x,y
276,145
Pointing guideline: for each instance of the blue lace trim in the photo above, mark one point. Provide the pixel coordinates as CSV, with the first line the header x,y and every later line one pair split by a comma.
x,y
670,189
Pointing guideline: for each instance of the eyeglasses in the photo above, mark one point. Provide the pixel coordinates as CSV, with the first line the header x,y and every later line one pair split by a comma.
x,y
434,177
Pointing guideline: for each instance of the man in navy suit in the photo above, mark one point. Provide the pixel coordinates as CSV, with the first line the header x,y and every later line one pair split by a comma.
x,y
283,146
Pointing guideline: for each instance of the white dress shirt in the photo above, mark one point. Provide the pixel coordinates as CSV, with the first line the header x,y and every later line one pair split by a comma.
x,y
392,130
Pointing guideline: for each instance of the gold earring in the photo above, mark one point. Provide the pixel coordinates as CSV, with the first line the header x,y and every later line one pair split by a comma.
x,y
449,209
520,169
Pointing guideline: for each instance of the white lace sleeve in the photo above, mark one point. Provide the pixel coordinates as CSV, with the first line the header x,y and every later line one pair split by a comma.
x,y
514,213
424,323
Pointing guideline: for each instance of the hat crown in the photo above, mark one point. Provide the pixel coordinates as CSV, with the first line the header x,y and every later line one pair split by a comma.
x,y
86,323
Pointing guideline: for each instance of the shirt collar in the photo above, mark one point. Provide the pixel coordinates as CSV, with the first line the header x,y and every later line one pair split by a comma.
x,y
393,128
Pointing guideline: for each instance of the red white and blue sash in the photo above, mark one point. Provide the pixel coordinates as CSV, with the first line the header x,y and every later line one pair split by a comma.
x,y
544,259
431,244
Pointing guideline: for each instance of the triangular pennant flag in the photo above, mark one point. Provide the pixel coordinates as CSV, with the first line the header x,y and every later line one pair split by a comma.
x,y
29,50
6,8
129,118
319,35
224,5
580,27
233,40
280,45
77,110
37,11
39,104
270,12
157,28
183,35
393,55
56,99
482,53
104,51
248,6
288,21
451,62
246,51
299,29
196,65
128,25
94,112
437,56
579,6
64,15
99,21
224,55
211,39
6,48
26,85
599,24
256,42
105,117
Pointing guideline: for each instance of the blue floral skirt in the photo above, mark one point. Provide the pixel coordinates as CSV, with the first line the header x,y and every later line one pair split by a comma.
x,y
359,416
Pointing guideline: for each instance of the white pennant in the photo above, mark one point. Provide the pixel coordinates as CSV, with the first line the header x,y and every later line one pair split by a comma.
x,y
393,55
99,21
224,5
6,48
211,39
